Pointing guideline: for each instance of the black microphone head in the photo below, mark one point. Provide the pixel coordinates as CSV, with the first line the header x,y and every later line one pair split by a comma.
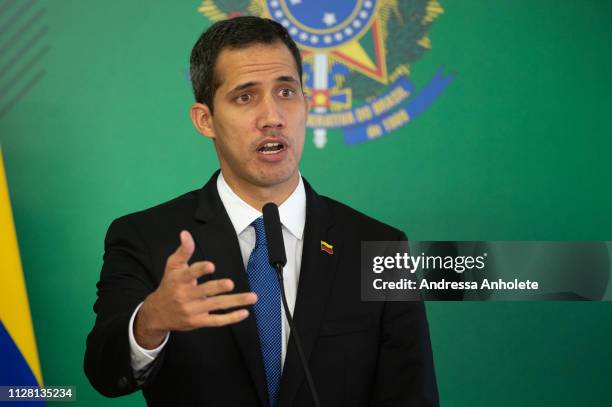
x,y
274,235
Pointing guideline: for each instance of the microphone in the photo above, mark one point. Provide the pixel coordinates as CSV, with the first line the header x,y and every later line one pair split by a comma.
x,y
278,259
274,236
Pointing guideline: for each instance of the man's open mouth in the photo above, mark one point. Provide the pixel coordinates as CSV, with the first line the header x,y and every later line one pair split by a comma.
x,y
271,148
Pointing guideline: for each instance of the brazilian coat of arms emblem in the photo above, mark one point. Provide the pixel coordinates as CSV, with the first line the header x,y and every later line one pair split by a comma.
x,y
356,59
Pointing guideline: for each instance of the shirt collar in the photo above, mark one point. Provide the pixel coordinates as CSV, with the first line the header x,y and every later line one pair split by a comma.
x,y
292,212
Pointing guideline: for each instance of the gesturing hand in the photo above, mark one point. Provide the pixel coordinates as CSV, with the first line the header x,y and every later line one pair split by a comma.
x,y
181,304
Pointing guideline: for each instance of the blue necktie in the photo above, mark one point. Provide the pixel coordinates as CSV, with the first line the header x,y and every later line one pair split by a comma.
x,y
263,281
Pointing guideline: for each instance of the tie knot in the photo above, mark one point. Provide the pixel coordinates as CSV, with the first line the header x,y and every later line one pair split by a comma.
x,y
260,231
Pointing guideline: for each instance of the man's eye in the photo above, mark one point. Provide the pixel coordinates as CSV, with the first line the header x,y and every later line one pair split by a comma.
x,y
287,92
245,98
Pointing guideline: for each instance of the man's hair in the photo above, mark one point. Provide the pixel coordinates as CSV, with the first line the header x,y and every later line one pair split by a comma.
x,y
235,33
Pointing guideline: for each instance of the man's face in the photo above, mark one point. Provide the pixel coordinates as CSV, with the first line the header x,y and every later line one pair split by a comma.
x,y
259,119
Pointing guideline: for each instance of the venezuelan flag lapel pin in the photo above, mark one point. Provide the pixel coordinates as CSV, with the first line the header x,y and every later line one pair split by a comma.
x,y
326,247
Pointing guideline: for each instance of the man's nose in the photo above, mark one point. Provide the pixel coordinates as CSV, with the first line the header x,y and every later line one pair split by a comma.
x,y
271,115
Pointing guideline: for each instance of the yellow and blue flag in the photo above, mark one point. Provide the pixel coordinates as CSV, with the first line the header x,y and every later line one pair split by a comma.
x,y
19,365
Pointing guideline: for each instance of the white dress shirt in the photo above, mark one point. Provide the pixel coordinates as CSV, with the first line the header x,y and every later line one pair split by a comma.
x,y
293,218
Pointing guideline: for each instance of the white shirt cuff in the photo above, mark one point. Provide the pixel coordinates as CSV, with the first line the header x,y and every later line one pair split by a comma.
x,y
141,358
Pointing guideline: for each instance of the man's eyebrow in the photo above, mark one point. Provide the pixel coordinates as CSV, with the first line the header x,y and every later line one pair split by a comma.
x,y
286,78
243,86
247,85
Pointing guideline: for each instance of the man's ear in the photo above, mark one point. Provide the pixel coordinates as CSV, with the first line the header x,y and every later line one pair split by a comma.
x,y
202,120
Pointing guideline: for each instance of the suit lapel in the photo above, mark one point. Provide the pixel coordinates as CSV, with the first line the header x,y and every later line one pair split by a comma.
x,y
316,276
217,240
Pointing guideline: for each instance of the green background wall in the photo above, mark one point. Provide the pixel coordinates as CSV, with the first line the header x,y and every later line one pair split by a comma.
x,y
516,148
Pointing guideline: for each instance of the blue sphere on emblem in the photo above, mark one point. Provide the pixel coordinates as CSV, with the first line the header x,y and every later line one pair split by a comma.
x,y
323,23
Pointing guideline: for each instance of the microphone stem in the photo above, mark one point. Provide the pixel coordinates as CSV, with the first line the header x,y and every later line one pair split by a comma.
x,y
296,337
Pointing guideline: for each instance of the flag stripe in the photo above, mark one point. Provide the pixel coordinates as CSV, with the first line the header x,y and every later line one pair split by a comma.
x,y
14,370
15,316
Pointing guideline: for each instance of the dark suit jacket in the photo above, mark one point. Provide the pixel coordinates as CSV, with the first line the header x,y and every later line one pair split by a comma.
x,y
360,353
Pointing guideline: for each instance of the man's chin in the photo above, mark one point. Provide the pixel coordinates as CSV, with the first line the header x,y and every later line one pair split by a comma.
x,y
271,179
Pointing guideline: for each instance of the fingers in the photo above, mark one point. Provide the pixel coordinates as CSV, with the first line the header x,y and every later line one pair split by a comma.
x,y
183,253
217,320
223,302
197,270
213,287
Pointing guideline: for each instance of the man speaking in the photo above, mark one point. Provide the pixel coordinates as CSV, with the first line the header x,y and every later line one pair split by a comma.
x,y
189,308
